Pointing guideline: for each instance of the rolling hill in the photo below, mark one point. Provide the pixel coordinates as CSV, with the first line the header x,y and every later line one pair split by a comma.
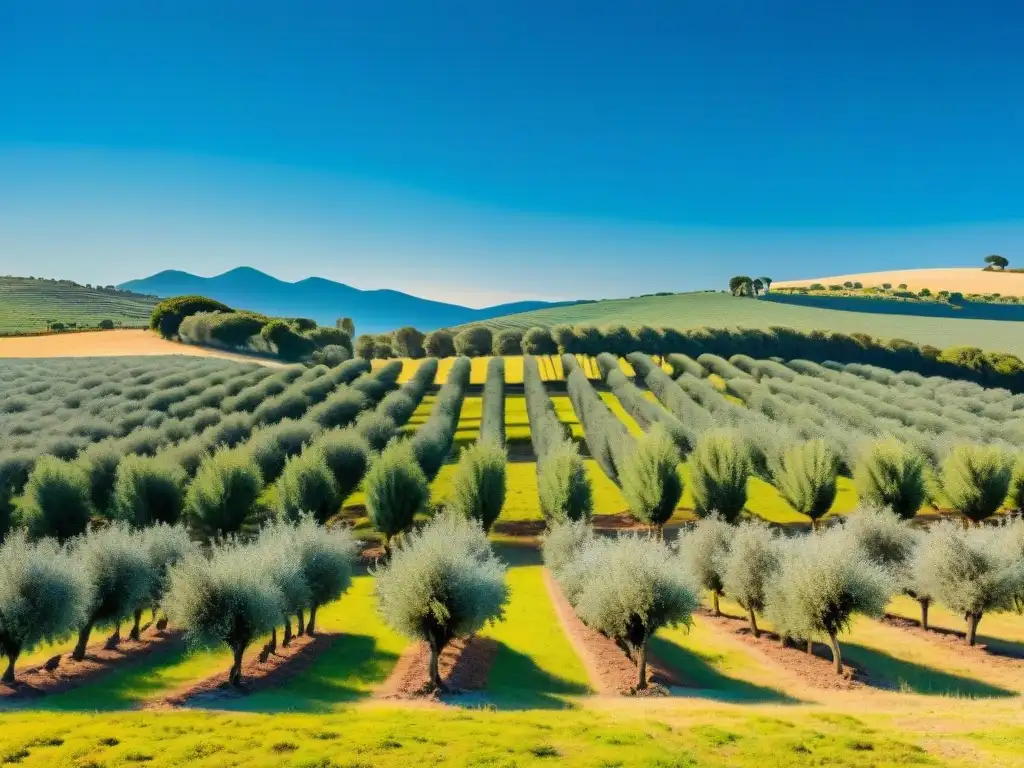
x,y
27,303
963,279
688,310
323,300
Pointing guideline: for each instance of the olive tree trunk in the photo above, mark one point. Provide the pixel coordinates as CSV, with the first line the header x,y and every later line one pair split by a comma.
x,y
810,647
924,612
641,666
235,675
300,619
434,671
273,640
311,624
83,641
12,657
837,658
973,619
753,622
287,632
136,632
714,602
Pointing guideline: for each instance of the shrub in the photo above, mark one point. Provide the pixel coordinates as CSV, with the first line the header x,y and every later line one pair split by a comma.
x,y
99,462
56,501
42,597
752,563
287,405
376,428
408,342
805,475
221,500
972,572
433,440
396,489
148,491
538,341
606,436
492,420
14,472
340,409
884,538
650,479
474,341
326,558
633,589
289,343
277,549
332,355
230,598
704,549
563,485
507,342
106,325
976,480
890,474
478,486
325,337
439,344
168,314
821,585
563,543
443,582
119,578
164,546
271,446
307,486
347,455
719,469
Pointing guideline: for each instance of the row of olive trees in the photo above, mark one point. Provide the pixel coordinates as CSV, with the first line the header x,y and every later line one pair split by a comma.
x,y
106,576
432,442
492,420
626,588
562,482
643,411
244,591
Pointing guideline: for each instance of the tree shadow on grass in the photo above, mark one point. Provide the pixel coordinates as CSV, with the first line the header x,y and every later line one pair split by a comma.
x,y
704,680
898,674
516,682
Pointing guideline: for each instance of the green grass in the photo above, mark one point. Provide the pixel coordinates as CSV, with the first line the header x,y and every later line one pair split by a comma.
x,y
27,303
719,310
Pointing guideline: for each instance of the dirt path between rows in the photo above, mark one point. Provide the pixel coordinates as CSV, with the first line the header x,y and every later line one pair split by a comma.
x,y
99,661
1007,656
610,671
465,665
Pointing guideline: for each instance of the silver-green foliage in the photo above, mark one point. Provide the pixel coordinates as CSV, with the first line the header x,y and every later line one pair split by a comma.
x,y
492,421
396,489
805,474
478,486
56,500
433,440
751,564
562,544
606,436
563,485
277,550
976,479
891,474
822,583
971,571
42,596
884,538
347,454
703,550
649,476
443,582
719,469
148,490
229,598
307,485
326,557
222,499
271,446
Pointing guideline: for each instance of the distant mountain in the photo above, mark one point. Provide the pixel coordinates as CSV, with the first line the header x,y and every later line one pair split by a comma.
x,y
324,300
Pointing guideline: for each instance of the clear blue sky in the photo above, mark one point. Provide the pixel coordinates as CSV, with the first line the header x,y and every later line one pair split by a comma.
x,y
481,151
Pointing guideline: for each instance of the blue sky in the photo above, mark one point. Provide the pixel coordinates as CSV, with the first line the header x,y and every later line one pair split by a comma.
x,y
479,152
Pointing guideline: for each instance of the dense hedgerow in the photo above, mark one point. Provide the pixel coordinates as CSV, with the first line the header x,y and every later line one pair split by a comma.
x,y
271,446
443,582
643,411
432,442
492,420
606,436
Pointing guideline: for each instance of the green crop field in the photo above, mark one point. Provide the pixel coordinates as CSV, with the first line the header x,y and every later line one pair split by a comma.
x,y
719,310
27,304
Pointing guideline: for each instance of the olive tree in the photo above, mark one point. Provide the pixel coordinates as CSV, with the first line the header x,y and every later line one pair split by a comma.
x,y
719,468
563,485
751,564
649,476
891,474
164,546
42,597
885,539
805,474
563,542
57,500
230,598
976,480
443,582
396,489
148,490
326,557
632,589
821,584
347,454
276,549
119,577
100,462
703,550
972,572
307,485
478,487
222,499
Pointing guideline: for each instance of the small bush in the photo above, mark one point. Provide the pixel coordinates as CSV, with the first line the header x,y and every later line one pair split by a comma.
x,y
563,485
650,478
376,428
439,344
891,474
507,342
340,409
443,582
396,489
222,499
719,470
563,542
478,486
99,462
326,558
976,480
752,563
57,500
347,455
147,491
805,475
704,550
271,446
307,486
475,341
538,341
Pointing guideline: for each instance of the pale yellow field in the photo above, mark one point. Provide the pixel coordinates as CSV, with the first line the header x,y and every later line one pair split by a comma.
x,y
963,279
111,344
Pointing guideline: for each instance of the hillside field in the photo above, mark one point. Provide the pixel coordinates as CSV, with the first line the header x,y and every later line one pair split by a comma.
x,y
719,310
962,279
914,698
26,304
